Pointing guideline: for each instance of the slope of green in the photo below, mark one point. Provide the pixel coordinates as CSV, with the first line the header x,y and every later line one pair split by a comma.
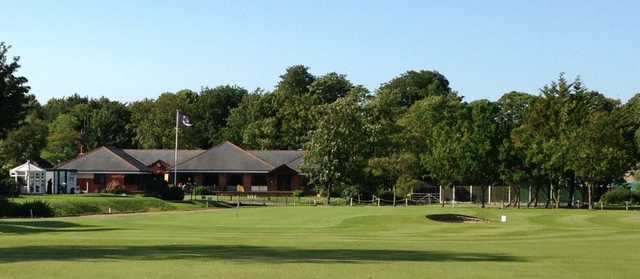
x,y
73,205
324,242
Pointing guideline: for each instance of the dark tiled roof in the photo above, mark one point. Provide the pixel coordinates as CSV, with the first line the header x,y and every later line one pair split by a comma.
x,y
226,157
105,159
150,156
291,158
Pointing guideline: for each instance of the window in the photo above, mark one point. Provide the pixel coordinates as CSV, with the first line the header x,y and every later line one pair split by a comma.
x,y
259,180
99,179
130,179
259,189
284,182
234,180
210,179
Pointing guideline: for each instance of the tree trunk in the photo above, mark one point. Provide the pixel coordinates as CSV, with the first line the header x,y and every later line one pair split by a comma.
x,y
572,192
483,190
590,196
328,194
394,195
558,197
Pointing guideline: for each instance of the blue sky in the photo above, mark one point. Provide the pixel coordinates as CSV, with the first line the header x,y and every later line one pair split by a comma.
x,y
129,50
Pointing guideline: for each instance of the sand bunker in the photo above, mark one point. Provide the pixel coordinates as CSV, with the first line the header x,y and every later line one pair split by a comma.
x,y
456,218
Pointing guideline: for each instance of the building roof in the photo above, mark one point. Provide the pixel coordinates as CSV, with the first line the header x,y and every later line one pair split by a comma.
x,y
225,157
105,159
28,166
150,156
291,158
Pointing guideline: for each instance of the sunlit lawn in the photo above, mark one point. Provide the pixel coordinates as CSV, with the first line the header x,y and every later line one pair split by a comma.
x,y
325,242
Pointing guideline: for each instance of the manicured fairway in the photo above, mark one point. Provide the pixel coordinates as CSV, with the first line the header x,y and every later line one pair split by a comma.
x,y
335,242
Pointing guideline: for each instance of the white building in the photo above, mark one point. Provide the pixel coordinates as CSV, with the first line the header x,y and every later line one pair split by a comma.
x,y
32,179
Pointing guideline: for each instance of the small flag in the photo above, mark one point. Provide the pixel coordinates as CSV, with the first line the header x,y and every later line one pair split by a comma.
x,y
184,120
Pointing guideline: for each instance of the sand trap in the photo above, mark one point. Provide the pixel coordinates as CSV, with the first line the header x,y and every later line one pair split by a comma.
x,y
456,218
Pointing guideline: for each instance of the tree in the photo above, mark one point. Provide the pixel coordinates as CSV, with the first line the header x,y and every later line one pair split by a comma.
x,y
398,170
14,91
513,169
440,124
295,81
328,88
154,121
604,148
24,143
253,123
414,86
211,111
482,157
107,125
336,152
57,106
63,140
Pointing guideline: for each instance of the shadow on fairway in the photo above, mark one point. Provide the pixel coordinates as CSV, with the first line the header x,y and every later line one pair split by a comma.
x,y
29,227
238,253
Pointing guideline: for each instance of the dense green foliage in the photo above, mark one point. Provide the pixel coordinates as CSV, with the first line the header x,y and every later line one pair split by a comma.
x,y
173,194
321,242
412,132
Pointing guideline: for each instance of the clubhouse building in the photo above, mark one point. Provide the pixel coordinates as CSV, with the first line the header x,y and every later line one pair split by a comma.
x,y
224,169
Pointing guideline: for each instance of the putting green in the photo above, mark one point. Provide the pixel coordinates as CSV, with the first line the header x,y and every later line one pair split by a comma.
x,y
325,242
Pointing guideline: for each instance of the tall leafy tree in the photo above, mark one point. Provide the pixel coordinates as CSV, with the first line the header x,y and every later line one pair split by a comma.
x,y
63,140
604,149
513,169
336,152
211,111
14,91
440,125
328,88
24,143
108,124
154,121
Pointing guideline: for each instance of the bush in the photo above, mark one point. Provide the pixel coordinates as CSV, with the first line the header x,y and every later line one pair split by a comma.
x,y
7,208
155,187
36,207
114,188
297,194
620,195
9,188
173,194
200,191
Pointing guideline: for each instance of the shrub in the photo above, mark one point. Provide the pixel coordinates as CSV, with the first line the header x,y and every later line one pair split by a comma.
x,y
155,187
173,194
36,207
7,208
297,194
200,191
619,195
114,188
9,188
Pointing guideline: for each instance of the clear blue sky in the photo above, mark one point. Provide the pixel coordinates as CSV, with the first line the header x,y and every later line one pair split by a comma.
x,y
128,50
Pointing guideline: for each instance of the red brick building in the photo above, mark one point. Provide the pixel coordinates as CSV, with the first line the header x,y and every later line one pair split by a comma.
x,y
225,168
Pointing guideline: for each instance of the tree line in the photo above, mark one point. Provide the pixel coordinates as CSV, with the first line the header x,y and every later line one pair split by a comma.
x,y
412,131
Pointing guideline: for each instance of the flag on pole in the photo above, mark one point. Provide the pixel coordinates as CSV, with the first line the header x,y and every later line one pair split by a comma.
x,y
184,120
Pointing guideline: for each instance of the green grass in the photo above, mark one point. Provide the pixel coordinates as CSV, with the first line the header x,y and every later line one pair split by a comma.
x,y
324,242
73,205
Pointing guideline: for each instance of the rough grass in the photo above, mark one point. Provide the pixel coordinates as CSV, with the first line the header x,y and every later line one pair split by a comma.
x,y
74,205
325,242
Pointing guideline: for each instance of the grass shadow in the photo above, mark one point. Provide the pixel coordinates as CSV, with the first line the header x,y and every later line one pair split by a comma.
x,y
44,226
239,253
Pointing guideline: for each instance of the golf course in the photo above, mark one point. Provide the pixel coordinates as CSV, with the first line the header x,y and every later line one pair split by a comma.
x,y
325,242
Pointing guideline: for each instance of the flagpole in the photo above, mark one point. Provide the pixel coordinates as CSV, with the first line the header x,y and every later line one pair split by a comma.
x,y
175,154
